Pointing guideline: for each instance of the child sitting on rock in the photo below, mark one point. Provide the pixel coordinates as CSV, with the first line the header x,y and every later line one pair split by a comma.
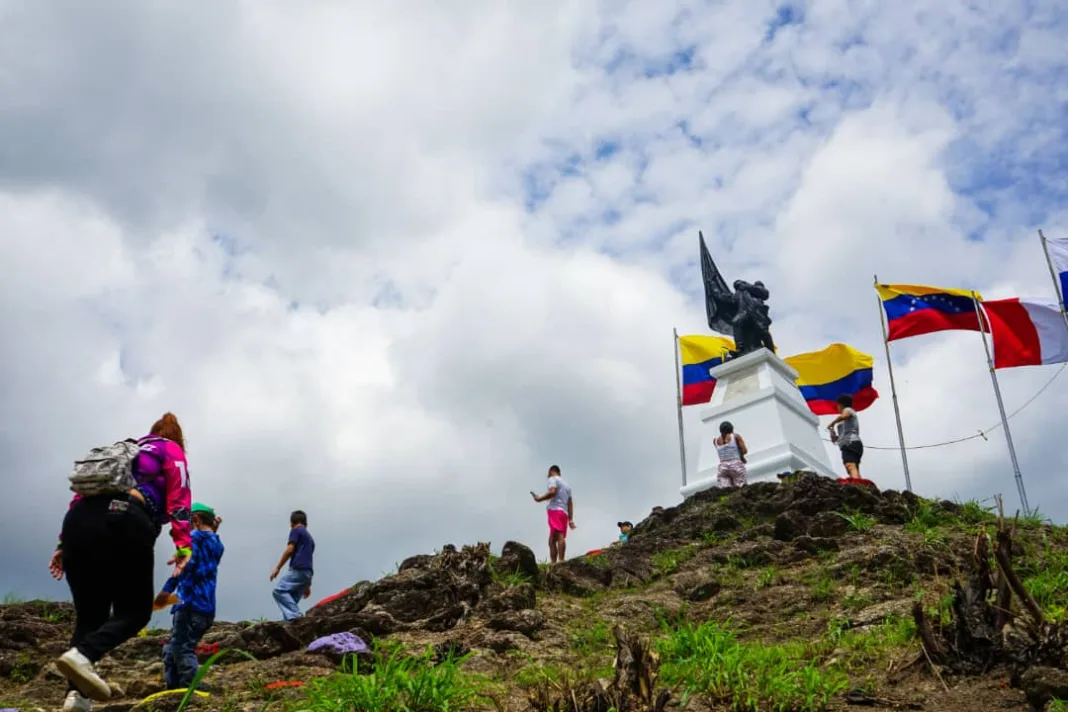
x,y
194,588
625,529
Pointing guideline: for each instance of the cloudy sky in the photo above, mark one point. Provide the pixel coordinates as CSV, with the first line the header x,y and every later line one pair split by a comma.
x,y
387,261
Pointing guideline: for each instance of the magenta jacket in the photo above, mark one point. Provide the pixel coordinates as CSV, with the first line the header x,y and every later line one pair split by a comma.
x,y
163,479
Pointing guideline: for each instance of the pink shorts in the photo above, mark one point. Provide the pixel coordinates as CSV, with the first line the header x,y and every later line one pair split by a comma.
x,y
558,521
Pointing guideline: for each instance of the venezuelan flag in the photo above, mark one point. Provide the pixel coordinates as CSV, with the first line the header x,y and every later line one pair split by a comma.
x,y
836,370
700,354
912,309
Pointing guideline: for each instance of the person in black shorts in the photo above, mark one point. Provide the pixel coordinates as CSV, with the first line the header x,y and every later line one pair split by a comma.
x,y
847,436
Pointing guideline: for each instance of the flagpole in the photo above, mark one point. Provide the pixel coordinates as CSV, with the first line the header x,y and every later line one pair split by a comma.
x,y
1053,276
893,392
984,326
678,402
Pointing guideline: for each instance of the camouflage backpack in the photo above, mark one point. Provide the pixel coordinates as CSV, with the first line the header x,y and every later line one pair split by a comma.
x,y
106,470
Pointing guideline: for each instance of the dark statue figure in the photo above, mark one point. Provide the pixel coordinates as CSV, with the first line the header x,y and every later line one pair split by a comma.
x,y
741,314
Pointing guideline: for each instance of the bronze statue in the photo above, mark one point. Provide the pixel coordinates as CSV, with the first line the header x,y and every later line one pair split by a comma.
x,y
741,314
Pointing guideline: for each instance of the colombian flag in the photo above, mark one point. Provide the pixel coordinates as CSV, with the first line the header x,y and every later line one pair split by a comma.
x,y
836,370
912,310
700,354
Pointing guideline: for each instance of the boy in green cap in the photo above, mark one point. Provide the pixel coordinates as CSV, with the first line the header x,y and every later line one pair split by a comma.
x,y
194,612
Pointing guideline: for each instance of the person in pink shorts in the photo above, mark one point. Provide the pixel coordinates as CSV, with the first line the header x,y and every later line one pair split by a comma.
x,y
561,513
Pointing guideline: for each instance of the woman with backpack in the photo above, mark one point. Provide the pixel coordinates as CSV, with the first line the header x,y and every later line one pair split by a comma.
x,y
123,496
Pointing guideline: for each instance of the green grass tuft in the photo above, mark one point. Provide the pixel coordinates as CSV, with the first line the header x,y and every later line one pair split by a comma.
x,y
398,682
709,662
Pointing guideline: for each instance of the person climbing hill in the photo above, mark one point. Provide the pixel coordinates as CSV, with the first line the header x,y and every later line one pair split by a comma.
x,y
195,587
732,451
296,584
123,494
561,513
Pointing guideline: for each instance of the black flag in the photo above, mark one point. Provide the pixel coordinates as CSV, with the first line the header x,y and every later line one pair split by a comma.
x,y
715,286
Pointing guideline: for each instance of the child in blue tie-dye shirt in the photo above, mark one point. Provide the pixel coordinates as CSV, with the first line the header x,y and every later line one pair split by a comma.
x,y
195,589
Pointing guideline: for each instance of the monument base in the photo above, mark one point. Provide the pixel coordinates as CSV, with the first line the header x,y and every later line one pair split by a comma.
x,y
758,394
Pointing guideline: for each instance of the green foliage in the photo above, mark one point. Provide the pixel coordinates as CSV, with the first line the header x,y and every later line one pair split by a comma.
x,y
768,577
1046,577
668,562
10,599
399,682
856,602
595,639
710,662
1033,519
858,521
928,515
208,664
973,512
23,670
824,587
1057,706
866,646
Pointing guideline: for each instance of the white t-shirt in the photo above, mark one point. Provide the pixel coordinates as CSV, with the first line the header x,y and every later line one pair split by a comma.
x,y
562,496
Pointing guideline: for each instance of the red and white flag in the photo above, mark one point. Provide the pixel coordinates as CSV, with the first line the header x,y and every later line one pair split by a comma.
x,y
1027,332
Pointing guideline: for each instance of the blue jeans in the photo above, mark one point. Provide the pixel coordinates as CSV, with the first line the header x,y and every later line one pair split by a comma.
x,y
289,590
180,653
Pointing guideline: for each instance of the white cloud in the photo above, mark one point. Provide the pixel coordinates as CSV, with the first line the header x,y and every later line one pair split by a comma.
x,y
306,233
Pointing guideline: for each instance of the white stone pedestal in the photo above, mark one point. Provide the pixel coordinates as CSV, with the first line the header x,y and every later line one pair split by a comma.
x,y
757,393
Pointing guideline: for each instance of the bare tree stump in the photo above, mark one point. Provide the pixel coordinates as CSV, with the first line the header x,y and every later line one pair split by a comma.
x,y
632,690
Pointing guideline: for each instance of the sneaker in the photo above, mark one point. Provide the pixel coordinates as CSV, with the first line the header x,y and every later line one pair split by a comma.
x,y
77,668
76,703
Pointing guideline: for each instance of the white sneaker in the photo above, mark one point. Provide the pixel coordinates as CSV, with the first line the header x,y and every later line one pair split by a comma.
x,y
76,703
77,668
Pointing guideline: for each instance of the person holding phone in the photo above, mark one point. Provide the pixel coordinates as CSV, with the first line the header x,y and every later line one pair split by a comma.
x,y
561,513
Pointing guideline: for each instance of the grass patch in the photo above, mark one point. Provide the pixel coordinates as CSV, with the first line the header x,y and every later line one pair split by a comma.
x,y
928,515
1046,577
862,648
824,587
668,562
856,602
399,682
974,512
595,639
767,577
10,599
858,521
709,662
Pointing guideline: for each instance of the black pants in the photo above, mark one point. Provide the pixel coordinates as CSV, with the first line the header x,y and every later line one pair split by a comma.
x,y
108,547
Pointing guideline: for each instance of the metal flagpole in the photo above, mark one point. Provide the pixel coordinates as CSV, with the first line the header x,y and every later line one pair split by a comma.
x,y
1053,276
893,391
678,401
984,326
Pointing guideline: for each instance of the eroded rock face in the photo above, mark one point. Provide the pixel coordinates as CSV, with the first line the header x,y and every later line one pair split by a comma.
x,y
527,622
515,598
578,577
697,586
517,558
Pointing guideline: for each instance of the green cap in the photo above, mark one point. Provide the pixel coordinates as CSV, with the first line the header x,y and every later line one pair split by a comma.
x,y
198,507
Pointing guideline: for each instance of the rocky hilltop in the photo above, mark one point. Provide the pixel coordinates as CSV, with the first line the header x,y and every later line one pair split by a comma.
x,y
800,596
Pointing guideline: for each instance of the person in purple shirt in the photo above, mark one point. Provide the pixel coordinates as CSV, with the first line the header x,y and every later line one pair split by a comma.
x,y
296,583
